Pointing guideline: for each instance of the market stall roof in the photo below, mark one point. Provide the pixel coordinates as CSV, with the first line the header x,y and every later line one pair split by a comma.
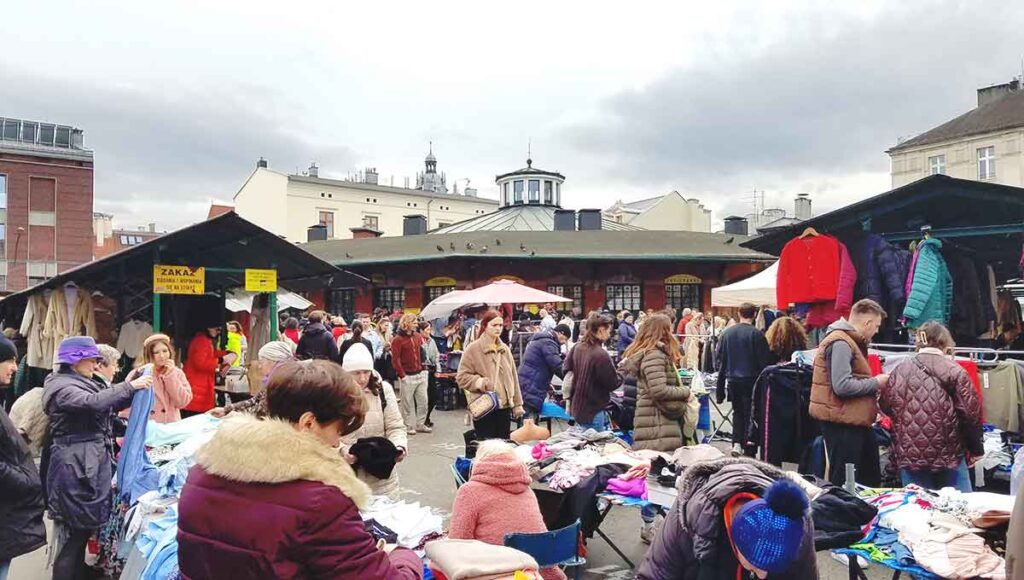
x,y
576,245
226,241
975,213
758,289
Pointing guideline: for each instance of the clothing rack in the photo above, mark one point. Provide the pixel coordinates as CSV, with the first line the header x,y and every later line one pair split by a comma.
x,y
980,354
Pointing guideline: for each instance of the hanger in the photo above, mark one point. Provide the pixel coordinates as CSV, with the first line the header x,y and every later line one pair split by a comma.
x,y
809,232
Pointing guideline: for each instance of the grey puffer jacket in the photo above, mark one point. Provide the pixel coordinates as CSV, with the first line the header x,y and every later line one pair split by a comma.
x,y
693,543
79,463
660,400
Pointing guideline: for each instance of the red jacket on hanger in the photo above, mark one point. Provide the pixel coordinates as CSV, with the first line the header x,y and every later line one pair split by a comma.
x,y
808,271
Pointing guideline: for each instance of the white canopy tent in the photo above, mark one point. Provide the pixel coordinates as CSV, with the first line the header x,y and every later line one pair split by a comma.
x,y
758,289
241,301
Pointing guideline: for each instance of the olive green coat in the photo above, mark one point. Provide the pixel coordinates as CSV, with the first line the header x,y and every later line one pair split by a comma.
x,y
661,400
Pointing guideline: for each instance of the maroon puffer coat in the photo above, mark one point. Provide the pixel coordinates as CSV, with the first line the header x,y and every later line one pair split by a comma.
x,y
265,501
936,414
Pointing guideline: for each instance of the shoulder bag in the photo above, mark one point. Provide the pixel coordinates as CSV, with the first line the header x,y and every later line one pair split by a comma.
x,y
487,402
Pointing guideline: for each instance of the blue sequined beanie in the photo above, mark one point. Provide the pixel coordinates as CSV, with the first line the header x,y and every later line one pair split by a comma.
x,y
769,531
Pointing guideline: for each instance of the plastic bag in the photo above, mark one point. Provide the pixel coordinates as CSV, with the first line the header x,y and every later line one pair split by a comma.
x,y
1017,473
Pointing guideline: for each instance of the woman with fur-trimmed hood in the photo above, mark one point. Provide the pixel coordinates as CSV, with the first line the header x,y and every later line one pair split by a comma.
x,y
734,519
273,498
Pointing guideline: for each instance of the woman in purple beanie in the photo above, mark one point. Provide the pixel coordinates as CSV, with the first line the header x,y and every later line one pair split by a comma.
x,y
78,464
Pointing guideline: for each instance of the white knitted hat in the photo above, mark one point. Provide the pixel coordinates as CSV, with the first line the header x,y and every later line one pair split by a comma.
x,y
358,358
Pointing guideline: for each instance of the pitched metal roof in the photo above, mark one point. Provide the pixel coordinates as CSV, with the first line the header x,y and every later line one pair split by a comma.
x,y
1004,113
937,200
537,245
519,218
226,241
530,170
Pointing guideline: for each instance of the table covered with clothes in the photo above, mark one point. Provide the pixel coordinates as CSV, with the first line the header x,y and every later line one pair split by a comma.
x,y
140,539
929,534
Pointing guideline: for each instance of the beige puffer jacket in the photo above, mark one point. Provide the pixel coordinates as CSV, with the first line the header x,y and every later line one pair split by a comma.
x,y
384,422
660,400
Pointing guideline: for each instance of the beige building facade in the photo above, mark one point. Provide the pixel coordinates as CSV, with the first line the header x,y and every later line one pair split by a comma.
x,y
289,204
984,144
670,212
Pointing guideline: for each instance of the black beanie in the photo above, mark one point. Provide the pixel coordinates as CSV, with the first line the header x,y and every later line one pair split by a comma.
x,y
7,350
375,455
564,330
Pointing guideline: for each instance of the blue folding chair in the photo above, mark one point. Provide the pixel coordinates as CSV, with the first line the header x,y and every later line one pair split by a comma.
x,y
555,548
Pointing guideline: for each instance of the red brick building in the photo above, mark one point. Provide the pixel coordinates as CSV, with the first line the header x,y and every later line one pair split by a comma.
x,y
46,189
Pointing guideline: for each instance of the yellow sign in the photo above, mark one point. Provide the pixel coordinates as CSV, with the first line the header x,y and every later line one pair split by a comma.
x,y
683,279
260,280
178,280
379,279
439,281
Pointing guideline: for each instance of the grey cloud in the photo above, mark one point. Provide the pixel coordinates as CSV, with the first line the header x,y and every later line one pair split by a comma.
x,y
162,152
813,107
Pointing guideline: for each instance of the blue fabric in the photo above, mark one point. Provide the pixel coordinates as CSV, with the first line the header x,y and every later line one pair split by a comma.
x,y
159,545
5,567
915,570
542,358
173,475
931,291
958,478
158,434
890,540
704,417
136,475
599,424
553,411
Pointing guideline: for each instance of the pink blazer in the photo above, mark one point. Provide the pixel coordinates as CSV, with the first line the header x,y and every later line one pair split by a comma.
x,y
171,392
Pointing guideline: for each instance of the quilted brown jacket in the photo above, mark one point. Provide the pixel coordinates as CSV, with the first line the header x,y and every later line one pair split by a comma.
x,y
660,403
936,414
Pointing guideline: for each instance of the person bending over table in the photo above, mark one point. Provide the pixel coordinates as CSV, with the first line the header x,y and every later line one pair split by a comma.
x,y
734,519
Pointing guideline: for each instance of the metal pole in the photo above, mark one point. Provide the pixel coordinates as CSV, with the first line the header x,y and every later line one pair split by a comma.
x,y
273,316
156,312
851,478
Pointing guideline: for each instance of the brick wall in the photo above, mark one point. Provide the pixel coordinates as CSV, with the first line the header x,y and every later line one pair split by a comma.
x,y
65,187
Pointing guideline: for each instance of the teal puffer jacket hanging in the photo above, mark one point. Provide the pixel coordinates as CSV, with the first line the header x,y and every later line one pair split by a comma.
x,y
931,292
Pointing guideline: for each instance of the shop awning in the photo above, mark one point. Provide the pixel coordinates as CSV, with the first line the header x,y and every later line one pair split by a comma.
x,y
758,289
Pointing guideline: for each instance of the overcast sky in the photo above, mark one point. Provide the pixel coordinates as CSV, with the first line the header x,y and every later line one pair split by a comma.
x,y
627,100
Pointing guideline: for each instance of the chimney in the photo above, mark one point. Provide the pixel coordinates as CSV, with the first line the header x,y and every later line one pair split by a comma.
x,y
152,227
736,225
370,176
565,220
363,233
317,233
469,191
314,171
802,209
414,225
261,163
590,219
993,93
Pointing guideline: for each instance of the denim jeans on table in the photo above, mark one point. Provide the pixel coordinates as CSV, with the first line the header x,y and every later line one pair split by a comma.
x,y
958,478
601,422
